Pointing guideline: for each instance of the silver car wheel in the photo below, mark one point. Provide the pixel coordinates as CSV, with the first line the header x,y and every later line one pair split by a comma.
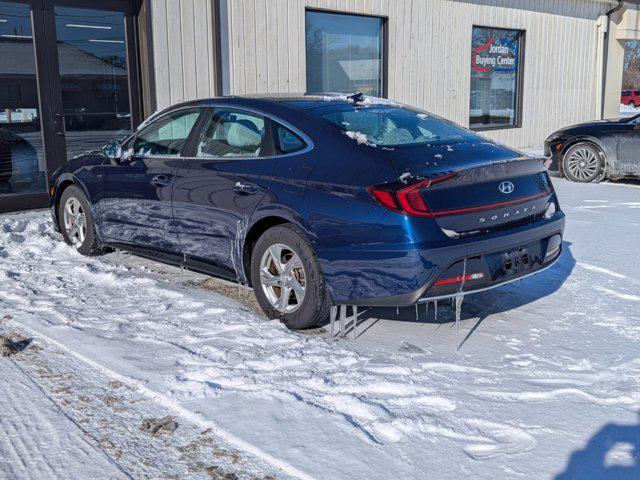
x,y
583,163
283,278
75,221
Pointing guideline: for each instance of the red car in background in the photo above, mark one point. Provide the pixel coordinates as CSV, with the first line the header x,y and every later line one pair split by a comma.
x,y
630,97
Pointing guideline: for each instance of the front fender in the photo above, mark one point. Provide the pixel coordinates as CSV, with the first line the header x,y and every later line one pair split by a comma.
x,y
88,182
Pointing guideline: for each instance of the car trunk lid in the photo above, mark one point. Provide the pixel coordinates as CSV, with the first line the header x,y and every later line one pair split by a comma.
x,y
478,186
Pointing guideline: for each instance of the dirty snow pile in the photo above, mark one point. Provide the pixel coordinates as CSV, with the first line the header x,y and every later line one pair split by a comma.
x,y
547,381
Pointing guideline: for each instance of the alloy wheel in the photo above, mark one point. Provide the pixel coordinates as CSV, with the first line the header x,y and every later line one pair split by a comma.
x,y
283,278
583,163
75,221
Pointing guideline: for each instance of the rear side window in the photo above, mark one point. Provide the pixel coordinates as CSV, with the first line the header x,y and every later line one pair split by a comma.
x,y
166,136
286,141
232,133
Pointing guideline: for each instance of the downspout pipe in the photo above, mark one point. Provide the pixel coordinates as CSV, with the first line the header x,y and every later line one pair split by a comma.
x,y
605,54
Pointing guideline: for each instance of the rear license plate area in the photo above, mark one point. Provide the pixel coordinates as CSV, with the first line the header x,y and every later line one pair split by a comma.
x,y
516,261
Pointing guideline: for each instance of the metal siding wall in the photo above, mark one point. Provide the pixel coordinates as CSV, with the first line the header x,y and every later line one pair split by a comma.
x,y
183,50
429,49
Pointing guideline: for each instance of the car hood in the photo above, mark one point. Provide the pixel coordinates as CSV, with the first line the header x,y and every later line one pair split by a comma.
x,y
595,124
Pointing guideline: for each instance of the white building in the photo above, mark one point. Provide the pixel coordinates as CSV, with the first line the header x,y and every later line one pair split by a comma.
x,y
424,49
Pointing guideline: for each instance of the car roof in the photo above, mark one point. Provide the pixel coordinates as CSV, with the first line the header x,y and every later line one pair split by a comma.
x,y
296,100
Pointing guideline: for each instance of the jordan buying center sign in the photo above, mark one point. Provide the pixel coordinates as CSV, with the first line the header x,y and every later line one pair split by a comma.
x,y
496,54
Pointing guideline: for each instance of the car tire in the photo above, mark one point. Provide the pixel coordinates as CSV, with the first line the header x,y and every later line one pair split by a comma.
x,y
632,104
287,278
76,224
583,163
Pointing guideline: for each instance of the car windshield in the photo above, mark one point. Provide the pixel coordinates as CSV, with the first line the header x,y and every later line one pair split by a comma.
x,y
391,126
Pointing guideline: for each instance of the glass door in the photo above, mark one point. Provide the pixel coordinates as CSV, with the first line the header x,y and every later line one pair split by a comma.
x,y
22,160
93,69
69,84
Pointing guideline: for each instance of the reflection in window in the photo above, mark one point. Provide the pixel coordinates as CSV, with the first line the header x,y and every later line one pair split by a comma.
x,y
495,77
22,169
94,76
232,133
344,53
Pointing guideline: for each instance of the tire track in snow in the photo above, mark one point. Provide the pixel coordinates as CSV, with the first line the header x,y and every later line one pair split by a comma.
x,y
174,406
40,439
619,295
606,271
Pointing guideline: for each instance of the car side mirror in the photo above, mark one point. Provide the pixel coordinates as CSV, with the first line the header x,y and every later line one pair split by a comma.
x,y
113,151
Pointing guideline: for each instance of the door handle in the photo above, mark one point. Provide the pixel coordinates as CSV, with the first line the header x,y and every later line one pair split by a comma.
x,y
244,189
161,180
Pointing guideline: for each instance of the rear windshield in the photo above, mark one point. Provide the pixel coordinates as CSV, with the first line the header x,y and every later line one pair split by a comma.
x,y
392,126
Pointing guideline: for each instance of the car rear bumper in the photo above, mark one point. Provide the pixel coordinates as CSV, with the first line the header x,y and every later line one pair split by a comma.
x,y
397,277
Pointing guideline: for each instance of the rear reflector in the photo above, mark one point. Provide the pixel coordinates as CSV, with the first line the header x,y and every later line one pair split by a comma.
x,y
553,247
553,251
466,278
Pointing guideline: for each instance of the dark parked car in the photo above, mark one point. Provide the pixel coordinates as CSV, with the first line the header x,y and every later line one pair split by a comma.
x,y
592,151
316,201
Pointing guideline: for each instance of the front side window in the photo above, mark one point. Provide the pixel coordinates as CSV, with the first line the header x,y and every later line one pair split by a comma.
x,y
344,53
166,136
496,71
232,133
390,126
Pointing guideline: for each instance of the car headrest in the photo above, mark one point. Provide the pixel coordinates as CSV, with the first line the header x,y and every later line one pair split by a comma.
x,y
249,124
244,137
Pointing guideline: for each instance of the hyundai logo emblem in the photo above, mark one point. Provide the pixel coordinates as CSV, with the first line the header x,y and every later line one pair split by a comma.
x,y
506,187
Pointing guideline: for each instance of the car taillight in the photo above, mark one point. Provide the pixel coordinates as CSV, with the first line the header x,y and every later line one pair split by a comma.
x,y
406,199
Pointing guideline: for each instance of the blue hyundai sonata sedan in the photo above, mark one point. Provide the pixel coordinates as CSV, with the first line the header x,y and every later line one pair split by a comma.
x,y
315,200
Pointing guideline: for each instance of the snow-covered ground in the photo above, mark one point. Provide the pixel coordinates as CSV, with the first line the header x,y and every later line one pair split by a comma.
x,y
546,383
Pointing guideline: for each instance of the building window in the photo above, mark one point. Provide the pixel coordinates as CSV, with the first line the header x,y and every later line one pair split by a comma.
x,y
344,53
496,77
